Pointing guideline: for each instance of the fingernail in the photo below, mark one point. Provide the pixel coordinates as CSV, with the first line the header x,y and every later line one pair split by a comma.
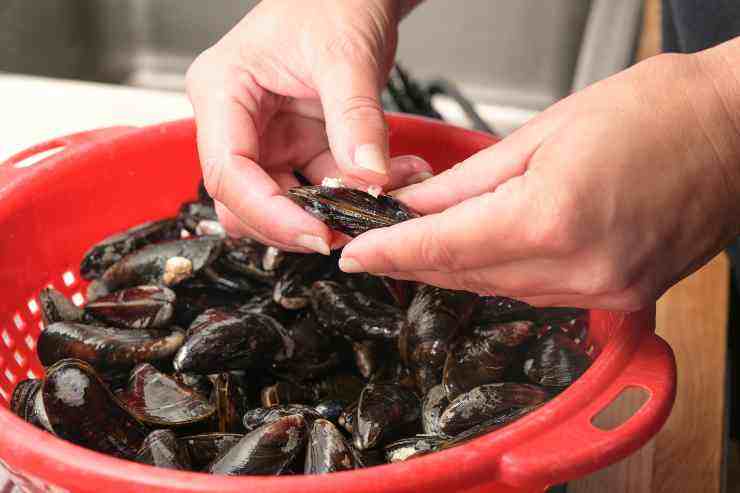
x,y
371,157
418,178
313,243
350,265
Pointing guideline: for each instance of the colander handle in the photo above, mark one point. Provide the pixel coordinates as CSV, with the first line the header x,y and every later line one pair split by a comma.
x,y
70,143
576,447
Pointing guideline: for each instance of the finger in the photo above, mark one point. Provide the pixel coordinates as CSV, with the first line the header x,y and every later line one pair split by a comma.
x,y
349,89
236,228
403,171
228,143
483,171
487,230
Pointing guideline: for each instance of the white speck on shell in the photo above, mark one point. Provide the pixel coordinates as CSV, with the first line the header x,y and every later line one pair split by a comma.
x,y
332,182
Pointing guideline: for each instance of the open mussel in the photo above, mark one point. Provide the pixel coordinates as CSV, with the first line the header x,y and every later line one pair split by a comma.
x,y
81,409
266,450
327,450
162,448
140,307
555,361
159,400
168,263
487,401
106,348
219,341
383,411
350,211
433,320
112,249
353,315
55,307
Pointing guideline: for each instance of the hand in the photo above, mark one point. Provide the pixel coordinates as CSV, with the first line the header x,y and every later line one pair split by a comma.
x,y
295,86
603,201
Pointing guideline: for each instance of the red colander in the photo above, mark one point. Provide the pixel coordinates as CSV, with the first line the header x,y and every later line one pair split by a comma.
x,y
103,181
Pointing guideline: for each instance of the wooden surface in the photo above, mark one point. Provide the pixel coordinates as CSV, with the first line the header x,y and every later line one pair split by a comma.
x,y
686,456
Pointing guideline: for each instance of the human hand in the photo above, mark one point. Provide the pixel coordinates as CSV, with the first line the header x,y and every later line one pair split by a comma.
x,y
296,86
603,201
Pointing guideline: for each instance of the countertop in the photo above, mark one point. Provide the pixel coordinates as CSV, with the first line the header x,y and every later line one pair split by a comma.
x,y
34,109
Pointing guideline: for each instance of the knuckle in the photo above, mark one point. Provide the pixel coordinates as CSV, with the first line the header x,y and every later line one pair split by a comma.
x,y
557,230
346,45
606,276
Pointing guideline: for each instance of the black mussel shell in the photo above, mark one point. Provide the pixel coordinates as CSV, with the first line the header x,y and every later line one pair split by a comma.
x,y
106,348
191,302
266,450
168,263
254,418
193,213
353,315
474,360
412,447
159,400
511,334
434,403
556,361
141,307
219,341
327,450
492,424
162,448
204,448
217,278
487,401
194,381
367,356
340,386
368,458
245,256
82,410
293,288
330,409
498,309
314,354
55,307
433,320
383,289
382,412
350,211
25,400
263,303
109,251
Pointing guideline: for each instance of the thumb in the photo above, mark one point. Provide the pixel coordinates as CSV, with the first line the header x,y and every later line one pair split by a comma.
x,y
349,90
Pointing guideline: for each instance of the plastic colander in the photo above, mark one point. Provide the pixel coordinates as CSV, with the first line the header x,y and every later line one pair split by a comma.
x,y
106,180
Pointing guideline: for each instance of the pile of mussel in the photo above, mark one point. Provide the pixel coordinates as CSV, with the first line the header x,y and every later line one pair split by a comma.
x,y
201,352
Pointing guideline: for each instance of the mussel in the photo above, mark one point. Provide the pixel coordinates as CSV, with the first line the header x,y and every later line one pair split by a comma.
x,y
27,403
350,211
254,418
327,450
266,450
205,448
106,348
81,409
219,341
161,448
158,400
409,448
168,263
353,315
434,403
486,402
433,320
112,249
383,411
555,361
140,307
293,288
55,307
